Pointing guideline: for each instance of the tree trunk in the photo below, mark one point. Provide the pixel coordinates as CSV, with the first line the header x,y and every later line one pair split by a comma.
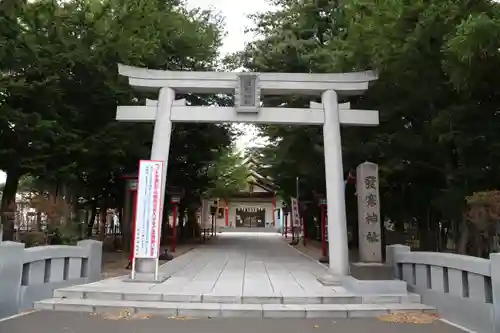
x,y
91,221
68,209
165,225
126,229
477,245
443,236
428,229
455,234
84,223
463,239
8,201
103,214
191,221
55,192
38,221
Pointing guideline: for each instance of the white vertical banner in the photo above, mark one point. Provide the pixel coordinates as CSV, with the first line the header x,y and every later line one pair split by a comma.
x,y
148,210
295,212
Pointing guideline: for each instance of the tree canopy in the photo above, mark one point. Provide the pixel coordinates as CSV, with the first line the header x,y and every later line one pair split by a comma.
x,y
228,173
59,89
437,94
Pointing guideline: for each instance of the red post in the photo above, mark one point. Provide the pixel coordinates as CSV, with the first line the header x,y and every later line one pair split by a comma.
x,y
226,213
304,231
174,228
323,231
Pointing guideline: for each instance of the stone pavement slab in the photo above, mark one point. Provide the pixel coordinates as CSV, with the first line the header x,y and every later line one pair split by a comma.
x,y
74,322
266,310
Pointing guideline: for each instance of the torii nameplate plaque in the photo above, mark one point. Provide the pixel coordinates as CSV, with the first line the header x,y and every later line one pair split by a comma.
x,y
247,93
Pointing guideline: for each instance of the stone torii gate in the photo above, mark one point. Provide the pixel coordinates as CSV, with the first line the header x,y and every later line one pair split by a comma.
x,y
248,89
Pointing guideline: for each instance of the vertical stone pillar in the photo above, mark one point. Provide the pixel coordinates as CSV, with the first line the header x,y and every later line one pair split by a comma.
x,y
94,263
495,289
159,152
391,252
369,222
335,191
11,271
160,149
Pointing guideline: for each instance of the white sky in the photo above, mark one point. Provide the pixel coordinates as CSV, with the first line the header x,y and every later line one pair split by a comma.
x,y
235,13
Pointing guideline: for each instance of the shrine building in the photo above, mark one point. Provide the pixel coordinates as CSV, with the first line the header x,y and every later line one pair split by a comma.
x,y
255,209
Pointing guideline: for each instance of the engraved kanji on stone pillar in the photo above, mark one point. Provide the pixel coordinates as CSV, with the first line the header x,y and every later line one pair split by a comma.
x,y
369,221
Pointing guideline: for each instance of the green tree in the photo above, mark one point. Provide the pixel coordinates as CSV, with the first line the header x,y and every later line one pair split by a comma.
x,y
59,90
437,95
228,175
438,139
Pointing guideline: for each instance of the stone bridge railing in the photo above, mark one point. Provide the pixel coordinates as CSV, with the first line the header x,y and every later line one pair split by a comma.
x,y
464,289
29,275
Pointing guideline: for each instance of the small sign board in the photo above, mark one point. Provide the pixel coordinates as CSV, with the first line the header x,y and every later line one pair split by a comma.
x,y
132,185
295,212
247,93
148,210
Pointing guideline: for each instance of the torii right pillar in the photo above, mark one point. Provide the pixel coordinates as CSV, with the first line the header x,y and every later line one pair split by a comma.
x,y
338,251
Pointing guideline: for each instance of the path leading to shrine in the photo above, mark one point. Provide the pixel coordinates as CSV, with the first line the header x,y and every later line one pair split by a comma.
x,y
236,264
234,275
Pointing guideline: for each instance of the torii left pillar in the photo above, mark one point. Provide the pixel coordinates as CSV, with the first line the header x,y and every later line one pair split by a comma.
x,y
159,152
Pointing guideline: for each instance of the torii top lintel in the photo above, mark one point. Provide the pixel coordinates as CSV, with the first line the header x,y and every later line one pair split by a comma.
x,y
346,84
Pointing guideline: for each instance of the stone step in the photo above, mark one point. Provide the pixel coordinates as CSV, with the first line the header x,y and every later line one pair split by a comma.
x,y
340,298
230,310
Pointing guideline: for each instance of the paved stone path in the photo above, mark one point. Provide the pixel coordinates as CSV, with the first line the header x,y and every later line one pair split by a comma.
x,y
235,275
246,264
74,322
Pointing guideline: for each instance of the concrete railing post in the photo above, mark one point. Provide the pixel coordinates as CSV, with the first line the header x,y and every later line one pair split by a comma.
x,y
495,288
390,255
11,271
94,264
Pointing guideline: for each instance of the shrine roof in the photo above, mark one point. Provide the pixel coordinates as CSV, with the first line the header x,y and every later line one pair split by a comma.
x,y
253,195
